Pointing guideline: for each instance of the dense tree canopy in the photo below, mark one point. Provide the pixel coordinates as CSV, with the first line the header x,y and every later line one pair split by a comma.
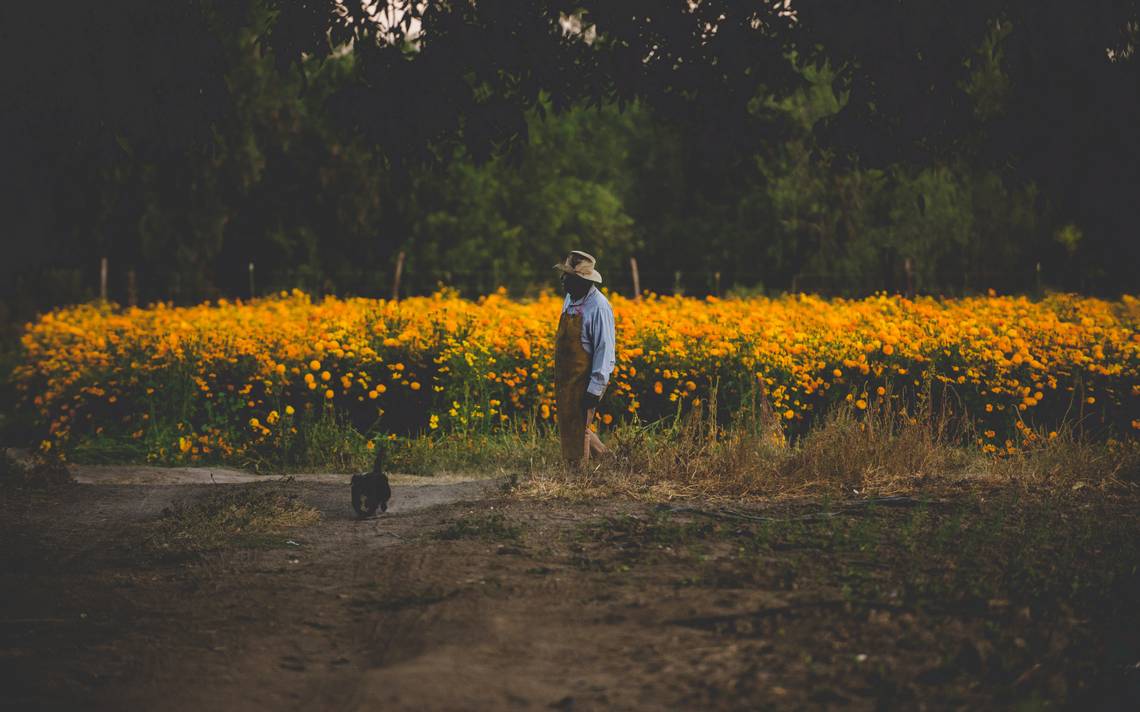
x,y
948,147
1046,93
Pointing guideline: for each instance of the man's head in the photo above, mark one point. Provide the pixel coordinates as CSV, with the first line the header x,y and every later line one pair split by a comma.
x,y
578,274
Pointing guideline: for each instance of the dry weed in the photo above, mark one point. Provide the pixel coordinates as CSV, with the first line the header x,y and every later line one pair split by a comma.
x,y
40,470
849,453
1067,459
227,514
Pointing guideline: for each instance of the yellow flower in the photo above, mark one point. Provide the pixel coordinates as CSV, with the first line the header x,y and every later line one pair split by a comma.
x,y
289,410
998,352
329,394
325,375
414,385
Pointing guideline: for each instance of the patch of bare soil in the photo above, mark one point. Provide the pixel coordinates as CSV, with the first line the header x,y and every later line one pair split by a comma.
x,y
464,598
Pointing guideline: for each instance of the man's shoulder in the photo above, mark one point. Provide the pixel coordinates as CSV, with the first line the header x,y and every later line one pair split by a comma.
x,y
601,301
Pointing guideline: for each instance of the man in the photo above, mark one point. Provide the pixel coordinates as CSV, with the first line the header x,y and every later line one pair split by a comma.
x,y
583,355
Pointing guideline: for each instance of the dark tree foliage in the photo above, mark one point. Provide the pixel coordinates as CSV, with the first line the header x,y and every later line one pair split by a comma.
x,y
120,104
1061,109
320,137
89,87
432,72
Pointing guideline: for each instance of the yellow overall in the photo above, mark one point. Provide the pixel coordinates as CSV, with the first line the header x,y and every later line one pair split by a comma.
x,y
572,366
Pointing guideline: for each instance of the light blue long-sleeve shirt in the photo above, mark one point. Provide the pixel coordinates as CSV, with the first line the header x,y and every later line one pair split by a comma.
x,y
598,337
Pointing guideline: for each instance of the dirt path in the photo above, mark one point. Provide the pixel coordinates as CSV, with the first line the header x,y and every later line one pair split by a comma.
x,y
463,598
89,622
158,476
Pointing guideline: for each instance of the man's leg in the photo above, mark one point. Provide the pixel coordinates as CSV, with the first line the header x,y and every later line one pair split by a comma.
x,y
593,444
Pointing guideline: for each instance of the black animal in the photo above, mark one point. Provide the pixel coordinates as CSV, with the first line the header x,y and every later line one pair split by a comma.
x,y
370,490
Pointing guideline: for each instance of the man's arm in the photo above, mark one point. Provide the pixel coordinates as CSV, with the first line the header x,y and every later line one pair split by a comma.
x,y
602,340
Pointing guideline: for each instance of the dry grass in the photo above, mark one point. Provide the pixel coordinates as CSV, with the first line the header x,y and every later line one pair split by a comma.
x,y
38,471
849,453
1070,460
229,514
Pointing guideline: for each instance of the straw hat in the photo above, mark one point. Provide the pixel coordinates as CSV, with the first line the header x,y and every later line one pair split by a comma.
x,y
580,264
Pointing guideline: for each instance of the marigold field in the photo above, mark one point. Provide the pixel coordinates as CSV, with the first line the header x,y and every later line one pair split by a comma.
x,y
224,380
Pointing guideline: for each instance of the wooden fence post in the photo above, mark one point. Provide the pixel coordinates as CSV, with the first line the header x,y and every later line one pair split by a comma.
x,y
636,279
103,279
396,280
716,281
908,267
252,292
